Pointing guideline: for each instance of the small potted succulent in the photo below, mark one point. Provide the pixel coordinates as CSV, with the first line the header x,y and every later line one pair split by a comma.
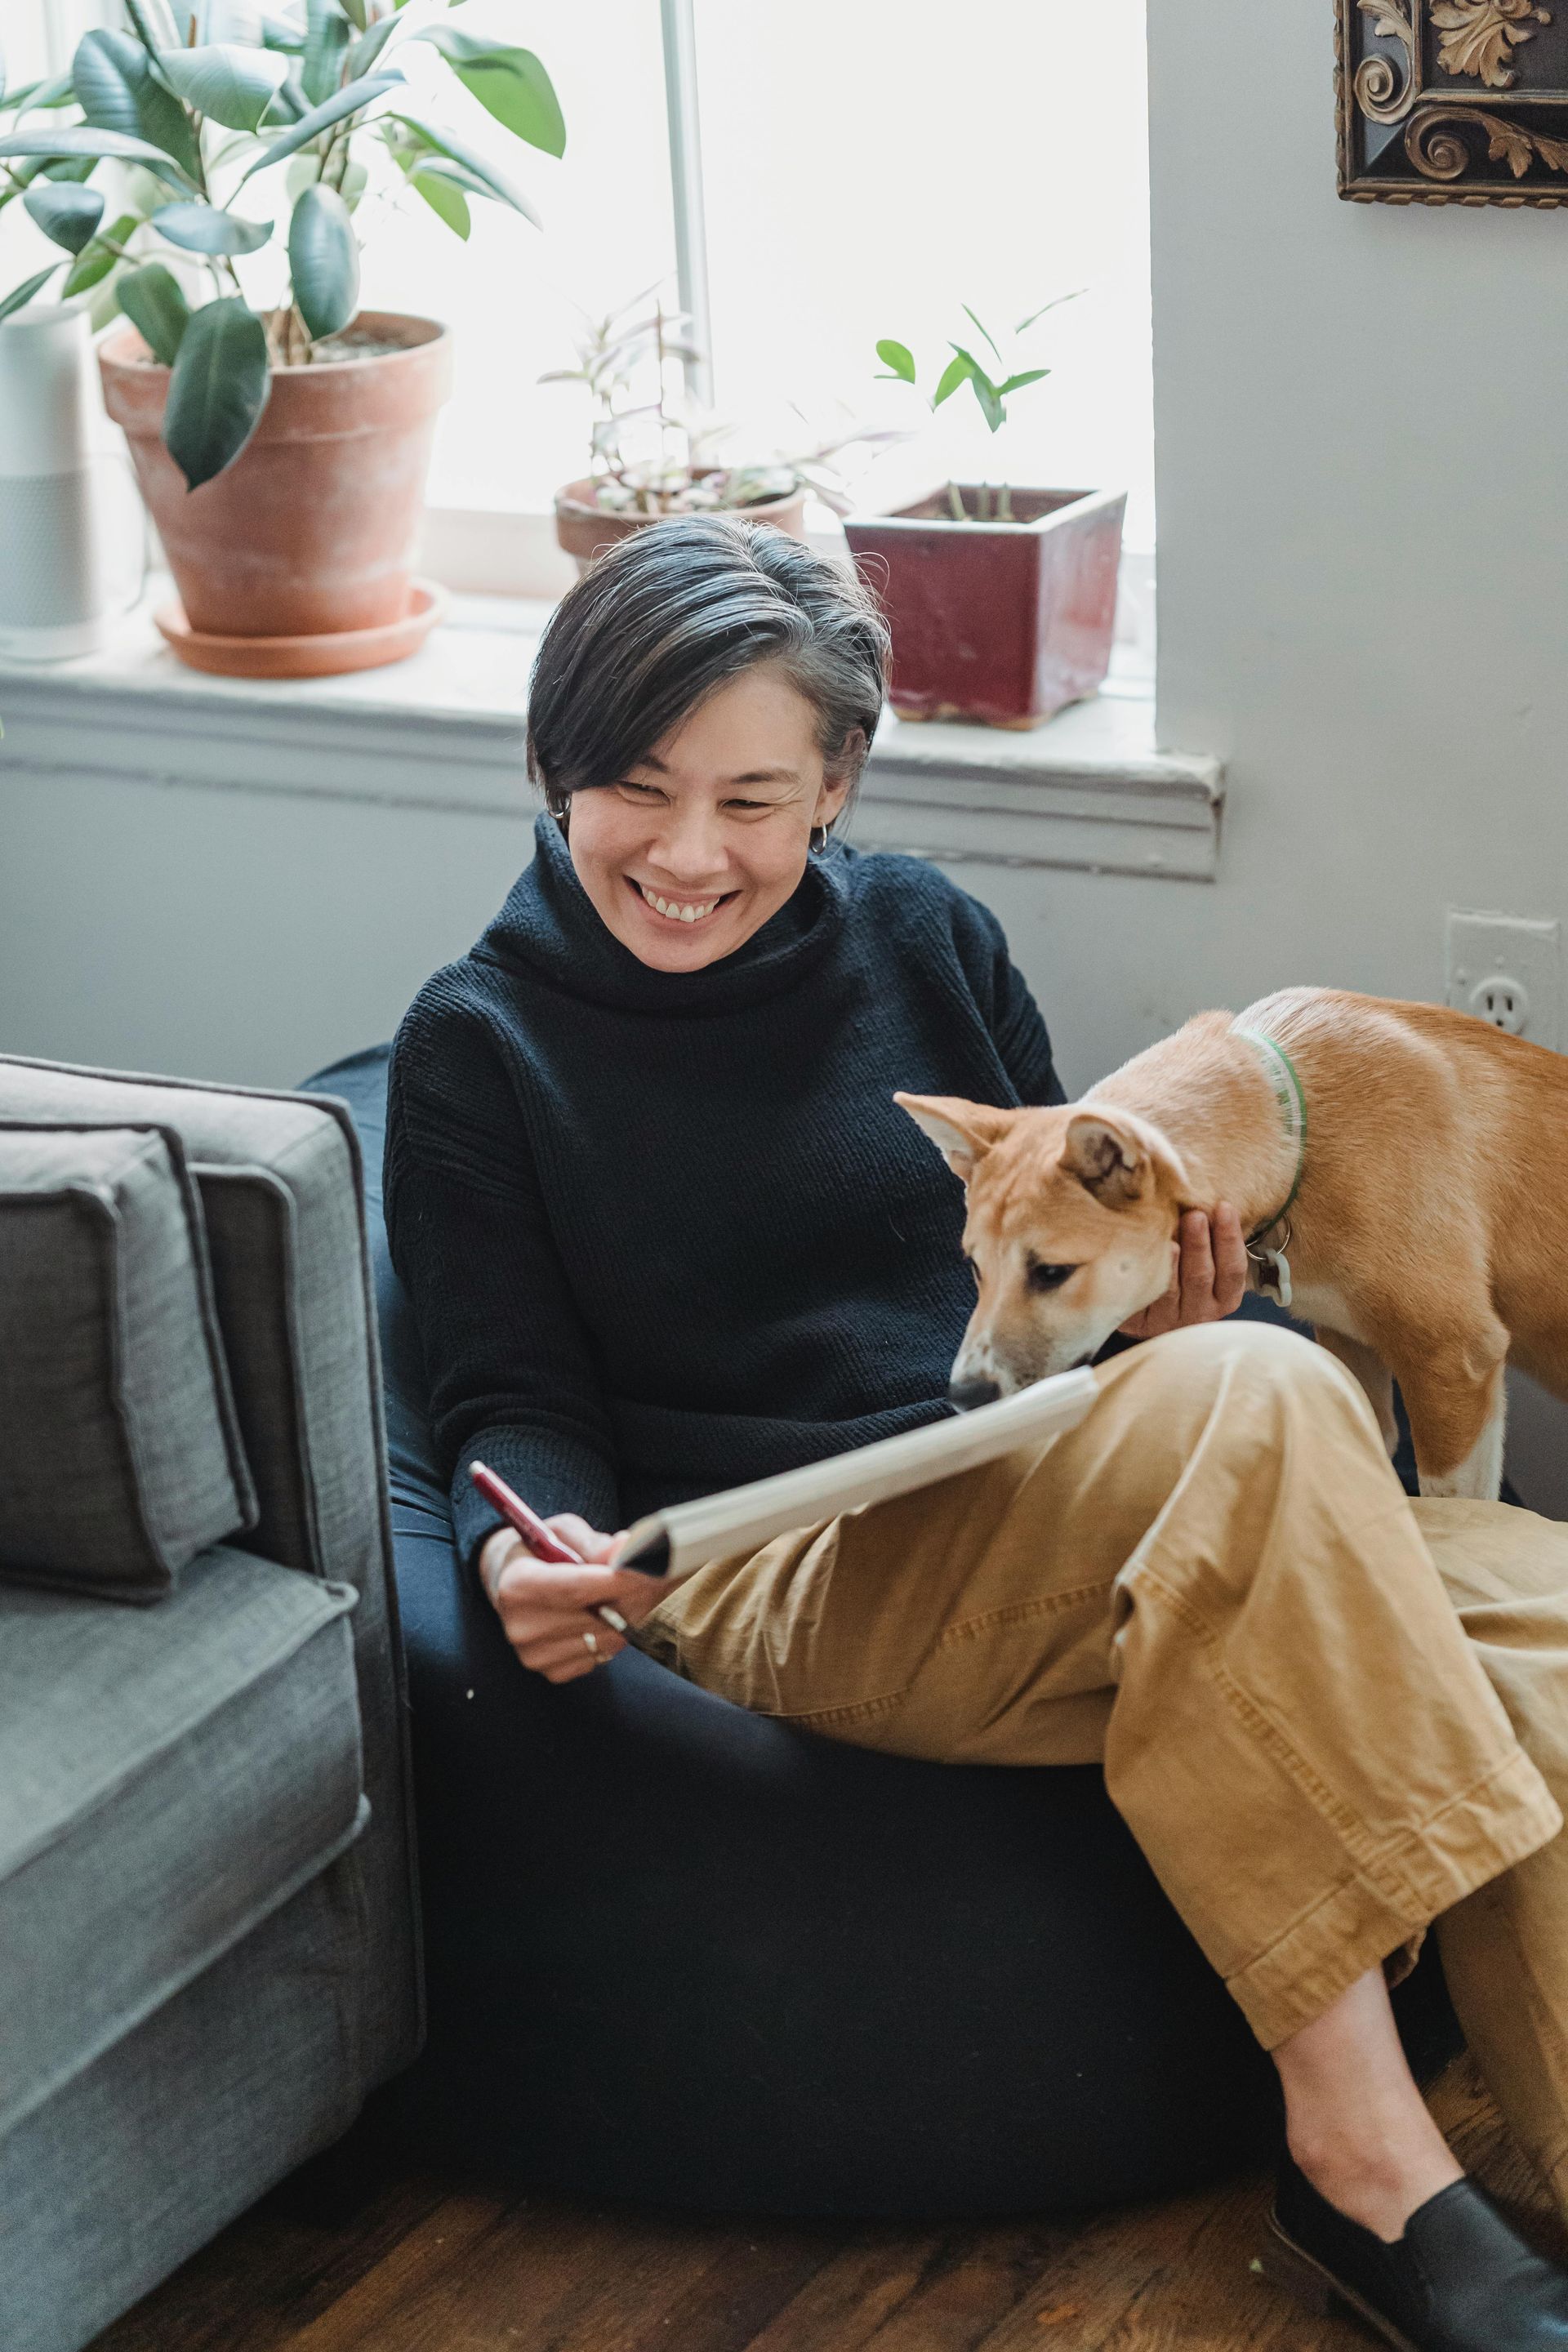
x,y
652,455
280,435
1001,599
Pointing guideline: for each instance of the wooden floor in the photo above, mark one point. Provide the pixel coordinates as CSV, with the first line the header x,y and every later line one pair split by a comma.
x,y
417,2268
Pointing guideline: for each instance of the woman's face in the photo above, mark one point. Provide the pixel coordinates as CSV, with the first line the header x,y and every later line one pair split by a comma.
x,y
695,847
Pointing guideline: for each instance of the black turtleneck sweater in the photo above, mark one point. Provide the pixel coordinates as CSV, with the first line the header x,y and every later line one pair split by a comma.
x,y
665,1233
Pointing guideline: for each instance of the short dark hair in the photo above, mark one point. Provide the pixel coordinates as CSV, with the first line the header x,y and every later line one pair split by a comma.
x,y
678,608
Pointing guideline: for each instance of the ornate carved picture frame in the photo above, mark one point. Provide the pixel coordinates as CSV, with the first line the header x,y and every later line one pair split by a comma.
x,y
1453,101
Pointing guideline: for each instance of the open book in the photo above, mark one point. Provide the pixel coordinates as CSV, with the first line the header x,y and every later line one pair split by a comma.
x,y
683,1537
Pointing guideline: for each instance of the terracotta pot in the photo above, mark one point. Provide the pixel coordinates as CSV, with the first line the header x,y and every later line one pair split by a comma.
x,y
583,527
311,531
1003,623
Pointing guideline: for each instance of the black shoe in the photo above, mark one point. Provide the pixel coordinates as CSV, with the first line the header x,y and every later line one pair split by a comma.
x,y
1459,2280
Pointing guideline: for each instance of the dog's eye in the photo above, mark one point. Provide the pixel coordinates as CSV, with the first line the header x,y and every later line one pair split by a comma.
x,y
1049,1277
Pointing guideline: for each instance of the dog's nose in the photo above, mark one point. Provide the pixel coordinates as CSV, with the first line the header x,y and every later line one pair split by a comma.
x,y
967,1394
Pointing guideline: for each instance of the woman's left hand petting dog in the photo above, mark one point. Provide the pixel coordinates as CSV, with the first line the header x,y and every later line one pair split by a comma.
x,y
1208,1275
547,1609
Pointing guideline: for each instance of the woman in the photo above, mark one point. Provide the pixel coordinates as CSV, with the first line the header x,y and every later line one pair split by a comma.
x,y
664,1231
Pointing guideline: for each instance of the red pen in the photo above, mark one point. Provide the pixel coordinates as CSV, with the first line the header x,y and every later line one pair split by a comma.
x,y
543,1541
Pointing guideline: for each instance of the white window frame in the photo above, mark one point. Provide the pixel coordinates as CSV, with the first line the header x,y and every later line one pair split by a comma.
x,y
504,551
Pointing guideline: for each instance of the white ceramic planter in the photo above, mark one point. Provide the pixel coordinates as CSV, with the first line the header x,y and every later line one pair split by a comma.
x,y
54,594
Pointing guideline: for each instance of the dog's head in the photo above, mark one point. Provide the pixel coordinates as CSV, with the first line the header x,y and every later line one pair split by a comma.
x,y
1071,1226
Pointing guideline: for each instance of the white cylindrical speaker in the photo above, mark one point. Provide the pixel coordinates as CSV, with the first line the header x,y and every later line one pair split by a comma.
x,y
54,593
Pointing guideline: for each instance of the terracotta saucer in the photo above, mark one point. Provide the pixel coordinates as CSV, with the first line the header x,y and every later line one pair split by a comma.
x,y
322,656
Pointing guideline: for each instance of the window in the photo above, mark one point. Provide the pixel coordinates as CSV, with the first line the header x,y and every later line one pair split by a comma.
x,y
869,169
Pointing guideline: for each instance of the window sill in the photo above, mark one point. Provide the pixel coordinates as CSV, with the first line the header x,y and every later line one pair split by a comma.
x,y
444,731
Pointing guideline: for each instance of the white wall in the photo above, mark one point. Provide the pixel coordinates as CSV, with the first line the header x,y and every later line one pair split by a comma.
x,y
1362,570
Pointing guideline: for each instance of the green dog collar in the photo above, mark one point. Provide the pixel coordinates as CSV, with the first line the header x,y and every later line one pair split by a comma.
x,y
1288,1092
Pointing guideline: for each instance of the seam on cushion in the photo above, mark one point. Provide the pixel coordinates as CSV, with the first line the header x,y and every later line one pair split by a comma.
x,y
134,1451
1371,1855
247,1500
1018,1613
332,1602
264,1181
311,1141
176,1980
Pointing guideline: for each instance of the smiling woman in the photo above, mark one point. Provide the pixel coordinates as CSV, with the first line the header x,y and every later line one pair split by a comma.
x,y
737,681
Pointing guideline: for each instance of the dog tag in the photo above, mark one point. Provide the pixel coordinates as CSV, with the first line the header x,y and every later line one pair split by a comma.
x,y
1274,1274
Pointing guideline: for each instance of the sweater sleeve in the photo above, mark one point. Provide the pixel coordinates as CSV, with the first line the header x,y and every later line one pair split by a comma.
x,y
1013,1017
511,1371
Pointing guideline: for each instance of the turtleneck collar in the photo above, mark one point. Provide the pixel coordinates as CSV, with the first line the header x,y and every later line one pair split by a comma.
x,y
549,924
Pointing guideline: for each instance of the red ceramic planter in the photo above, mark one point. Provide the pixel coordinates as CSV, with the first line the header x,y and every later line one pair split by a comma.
x,y
1003,623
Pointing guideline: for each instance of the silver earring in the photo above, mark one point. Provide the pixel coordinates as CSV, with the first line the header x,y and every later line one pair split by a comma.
x,y
819,838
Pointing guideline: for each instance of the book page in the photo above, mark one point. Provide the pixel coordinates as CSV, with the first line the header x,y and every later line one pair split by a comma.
x,y
688,1535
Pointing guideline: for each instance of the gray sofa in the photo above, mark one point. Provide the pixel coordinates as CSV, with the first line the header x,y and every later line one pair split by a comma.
x,y
208,1937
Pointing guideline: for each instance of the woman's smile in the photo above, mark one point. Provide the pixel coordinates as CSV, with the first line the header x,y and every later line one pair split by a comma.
x,y
669,907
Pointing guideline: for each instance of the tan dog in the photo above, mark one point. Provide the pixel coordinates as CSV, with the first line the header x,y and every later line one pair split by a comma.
x,y
1403,1172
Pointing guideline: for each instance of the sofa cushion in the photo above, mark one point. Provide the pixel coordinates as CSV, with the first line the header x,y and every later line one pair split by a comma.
x,y
123,1457
168,1778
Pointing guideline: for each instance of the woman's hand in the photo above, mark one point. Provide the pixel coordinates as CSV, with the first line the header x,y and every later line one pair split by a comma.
x,y
547,1609
1208,1279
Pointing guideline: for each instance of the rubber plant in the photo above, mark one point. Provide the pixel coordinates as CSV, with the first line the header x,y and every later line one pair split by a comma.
x,y
188,107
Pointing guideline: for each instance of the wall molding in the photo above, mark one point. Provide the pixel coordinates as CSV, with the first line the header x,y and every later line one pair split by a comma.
x,y
444,732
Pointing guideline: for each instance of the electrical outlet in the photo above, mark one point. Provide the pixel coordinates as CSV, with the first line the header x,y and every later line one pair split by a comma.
x,y
1506,968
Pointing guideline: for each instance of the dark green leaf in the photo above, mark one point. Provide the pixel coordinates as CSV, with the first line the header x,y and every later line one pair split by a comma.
x,y
75,173
152,299
955,373
326,44
119,90
27,288
68,215
511,83
102,255
206,228
1030,375
899,358
347,101
225,83
457,151
323,261
984,331
75,139
443,194
217,391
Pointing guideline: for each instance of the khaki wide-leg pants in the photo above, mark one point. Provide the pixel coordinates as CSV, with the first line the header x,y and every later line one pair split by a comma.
x,y
1329,1715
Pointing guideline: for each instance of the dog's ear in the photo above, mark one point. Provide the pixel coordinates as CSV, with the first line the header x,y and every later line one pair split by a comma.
x,y
963,1132
1109,1157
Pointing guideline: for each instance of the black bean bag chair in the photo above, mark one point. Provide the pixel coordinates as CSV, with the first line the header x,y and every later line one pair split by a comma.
x,y
681,1954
